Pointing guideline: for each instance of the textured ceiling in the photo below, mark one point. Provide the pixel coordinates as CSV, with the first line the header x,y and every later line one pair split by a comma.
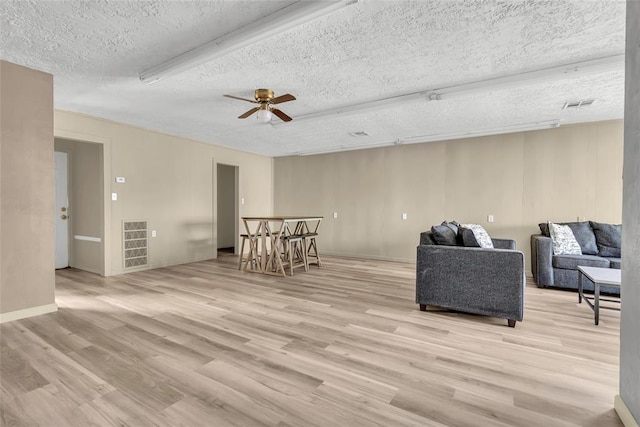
x,y
367,51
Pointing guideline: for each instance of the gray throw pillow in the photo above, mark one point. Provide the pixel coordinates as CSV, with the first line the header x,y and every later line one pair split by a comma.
x,y
608,239
443,235
467,238
452,225
474,235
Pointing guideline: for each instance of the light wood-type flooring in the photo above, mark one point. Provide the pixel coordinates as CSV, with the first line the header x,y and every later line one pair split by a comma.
x,y
204,344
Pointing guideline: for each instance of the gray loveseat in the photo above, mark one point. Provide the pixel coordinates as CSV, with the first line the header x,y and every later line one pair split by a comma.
x,y
475,280
600,245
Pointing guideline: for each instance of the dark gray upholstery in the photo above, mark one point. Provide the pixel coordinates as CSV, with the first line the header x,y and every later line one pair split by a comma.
x,y
444,235
561,271
609,237
614,263
571,262
468,238
426,238
474,280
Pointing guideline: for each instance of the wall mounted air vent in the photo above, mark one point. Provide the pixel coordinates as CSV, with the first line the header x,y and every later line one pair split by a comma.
x,y
577,104
134,244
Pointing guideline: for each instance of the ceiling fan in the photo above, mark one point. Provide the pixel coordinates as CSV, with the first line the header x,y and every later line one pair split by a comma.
x,y
265,98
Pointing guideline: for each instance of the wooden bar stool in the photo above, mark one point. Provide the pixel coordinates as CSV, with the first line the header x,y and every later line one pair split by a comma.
x,y
295,252
311,247
252,255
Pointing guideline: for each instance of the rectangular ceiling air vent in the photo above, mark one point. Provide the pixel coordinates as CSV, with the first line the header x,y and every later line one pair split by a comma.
x,y
358,134
577,104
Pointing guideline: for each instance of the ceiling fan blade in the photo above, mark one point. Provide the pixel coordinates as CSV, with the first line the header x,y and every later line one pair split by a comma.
x,y
281,115
241,99
248,113
283,98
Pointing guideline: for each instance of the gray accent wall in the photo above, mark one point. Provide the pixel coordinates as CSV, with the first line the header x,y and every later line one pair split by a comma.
x,y
226,206
630,316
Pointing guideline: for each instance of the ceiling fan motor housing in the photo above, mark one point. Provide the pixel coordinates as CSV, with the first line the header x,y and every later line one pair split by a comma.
x,y
263,95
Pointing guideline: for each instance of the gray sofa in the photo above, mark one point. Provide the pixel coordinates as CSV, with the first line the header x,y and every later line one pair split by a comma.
x,y
489,282
600,245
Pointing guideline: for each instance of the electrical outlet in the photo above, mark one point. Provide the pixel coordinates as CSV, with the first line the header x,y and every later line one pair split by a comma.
x,y
153,233
335,215
489,218
404,216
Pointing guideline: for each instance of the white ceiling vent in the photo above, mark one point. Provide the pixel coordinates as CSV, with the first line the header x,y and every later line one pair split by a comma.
x,y
358,134
577,104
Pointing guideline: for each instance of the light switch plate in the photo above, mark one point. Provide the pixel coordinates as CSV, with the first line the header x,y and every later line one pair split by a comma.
x,y
335,215
153,233
114,196
404,216
489,218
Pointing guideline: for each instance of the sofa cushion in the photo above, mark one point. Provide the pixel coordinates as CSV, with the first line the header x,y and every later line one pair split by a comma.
x,y
474,235
444,235
564,242
571,262
608,239
583,233
426,238
614,263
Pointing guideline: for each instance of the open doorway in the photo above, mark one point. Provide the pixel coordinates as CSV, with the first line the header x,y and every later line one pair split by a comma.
x,y
227,209
79,213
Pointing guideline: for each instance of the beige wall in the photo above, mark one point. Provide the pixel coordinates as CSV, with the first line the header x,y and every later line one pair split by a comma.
x,y
169,183
522,179
27,230
86,203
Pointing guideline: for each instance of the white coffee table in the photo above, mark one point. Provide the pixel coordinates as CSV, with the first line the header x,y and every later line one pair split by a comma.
x,y
599,276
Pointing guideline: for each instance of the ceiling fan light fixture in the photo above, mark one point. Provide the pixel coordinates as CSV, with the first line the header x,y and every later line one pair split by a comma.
x,y
264,116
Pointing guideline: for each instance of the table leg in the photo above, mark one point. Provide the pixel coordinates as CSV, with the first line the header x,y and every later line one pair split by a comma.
x,y
596,304
276,242
263,251
580,287
253,250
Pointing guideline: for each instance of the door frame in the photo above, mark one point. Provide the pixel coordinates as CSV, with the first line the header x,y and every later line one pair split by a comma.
x,y
68,176
106,178
236,206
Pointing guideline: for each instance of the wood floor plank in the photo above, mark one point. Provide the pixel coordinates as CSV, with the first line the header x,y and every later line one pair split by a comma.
x,y
204,344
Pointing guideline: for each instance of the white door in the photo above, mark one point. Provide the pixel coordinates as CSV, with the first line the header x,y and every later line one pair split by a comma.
x,y
62,211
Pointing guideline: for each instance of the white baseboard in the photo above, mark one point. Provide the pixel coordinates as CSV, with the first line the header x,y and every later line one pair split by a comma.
x,y
624,413
27,312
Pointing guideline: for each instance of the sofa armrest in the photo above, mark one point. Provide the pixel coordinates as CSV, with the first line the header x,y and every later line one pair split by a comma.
x,y
475,280
504,243
541,260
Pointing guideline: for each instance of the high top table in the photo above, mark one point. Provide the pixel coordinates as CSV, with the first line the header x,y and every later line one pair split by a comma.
x,y
266,241
599,276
